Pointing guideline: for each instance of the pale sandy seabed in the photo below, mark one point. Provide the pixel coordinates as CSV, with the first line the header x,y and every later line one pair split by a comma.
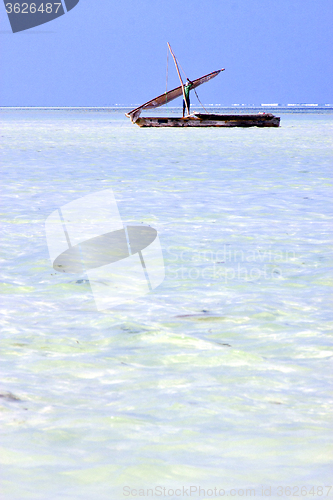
x,y
221,376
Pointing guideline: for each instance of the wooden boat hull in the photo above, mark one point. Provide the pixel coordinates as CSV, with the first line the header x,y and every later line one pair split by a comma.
x,y
212,120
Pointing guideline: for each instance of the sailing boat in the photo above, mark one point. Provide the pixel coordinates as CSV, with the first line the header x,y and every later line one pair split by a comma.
x,y
197,119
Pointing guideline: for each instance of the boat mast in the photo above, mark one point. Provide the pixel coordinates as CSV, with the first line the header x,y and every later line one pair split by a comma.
x,y
180,78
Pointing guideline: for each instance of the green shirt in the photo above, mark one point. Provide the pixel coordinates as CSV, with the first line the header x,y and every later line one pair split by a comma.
x,y
187,88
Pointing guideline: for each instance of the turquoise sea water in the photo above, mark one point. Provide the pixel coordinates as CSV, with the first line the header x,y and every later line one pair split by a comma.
x,y
219,378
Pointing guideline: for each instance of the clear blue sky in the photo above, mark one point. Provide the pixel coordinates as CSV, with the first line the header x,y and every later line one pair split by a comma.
x,y
106,52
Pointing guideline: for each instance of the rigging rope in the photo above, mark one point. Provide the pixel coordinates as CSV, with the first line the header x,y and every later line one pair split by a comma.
x,y
200,101
166,83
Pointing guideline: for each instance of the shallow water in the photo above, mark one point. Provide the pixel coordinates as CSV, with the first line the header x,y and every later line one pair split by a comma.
x,y
220,377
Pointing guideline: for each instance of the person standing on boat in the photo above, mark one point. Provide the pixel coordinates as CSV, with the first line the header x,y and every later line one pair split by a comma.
x,y
186,102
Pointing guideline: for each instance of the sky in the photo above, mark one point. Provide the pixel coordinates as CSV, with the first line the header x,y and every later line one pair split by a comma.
x,y
111,52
